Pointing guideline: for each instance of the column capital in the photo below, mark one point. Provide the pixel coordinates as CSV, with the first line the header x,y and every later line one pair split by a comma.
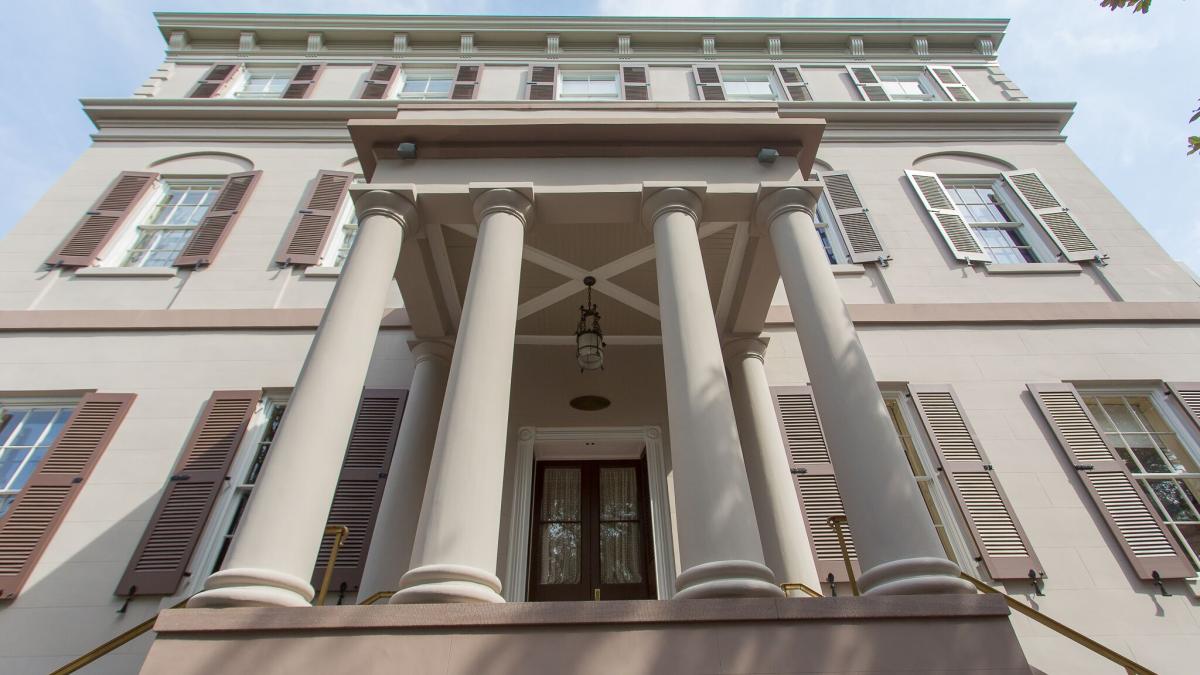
x,y
426,350
745,347
512,198
777,198
659,198
398,204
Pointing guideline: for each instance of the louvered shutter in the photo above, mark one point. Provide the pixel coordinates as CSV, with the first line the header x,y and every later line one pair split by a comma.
x,y
33,517
852,218
541,83
206,240
466,82
998,536
360,485
161,558
1126,511
86,242
635,82
952,84
812,471
302,82
709,84
214,80
867,81
946,217
310,227
379,80
1054,217
793,83
1188,395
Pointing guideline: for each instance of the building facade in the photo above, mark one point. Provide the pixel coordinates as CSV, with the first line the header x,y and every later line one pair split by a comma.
x,y
326,272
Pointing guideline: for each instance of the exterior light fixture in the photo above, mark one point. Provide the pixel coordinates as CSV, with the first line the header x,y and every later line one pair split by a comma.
x,y
589,339
406,151
768,155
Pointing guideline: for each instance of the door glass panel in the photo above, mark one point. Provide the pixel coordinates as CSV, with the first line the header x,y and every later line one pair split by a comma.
x,y
620,534
561,529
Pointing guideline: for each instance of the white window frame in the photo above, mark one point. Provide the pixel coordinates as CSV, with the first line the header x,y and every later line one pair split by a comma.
x,y
406,73
950,515
26,403
237,88
345,217
833,233
1025,225
925,79
777,91
563,74
117,252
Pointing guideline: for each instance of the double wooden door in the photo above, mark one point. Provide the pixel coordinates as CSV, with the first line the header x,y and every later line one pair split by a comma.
x,y
591,535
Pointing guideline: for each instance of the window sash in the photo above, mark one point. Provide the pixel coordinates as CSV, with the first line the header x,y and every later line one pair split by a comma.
x,y
165,229
426,84
987,208
829,233
596,84
749,85
906,85
264,84
29,451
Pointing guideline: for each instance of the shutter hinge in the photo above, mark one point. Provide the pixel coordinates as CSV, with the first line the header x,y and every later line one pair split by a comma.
x,y
383,474
799,471
987,467
1101,260
180,476
1084,467
305,211
76,480
884,260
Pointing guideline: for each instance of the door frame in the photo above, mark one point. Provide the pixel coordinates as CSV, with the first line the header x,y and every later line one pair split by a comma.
x,y
555,443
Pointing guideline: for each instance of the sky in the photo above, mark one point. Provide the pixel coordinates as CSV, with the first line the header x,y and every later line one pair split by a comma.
x,y
1133,76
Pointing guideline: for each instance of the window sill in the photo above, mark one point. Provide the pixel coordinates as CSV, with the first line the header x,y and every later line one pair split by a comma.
x,y
1035,268
127,272
848,270
317,271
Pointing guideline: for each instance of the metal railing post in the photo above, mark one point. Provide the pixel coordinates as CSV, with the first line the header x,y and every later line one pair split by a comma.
x,y
836,522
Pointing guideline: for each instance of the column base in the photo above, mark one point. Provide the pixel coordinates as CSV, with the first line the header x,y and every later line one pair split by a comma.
x,y
447,583
914,576
249,587
727,579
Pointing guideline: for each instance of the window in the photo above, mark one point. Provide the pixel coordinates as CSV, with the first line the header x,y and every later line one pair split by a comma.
x,y
993,216
586,85
26,433
345,232
1160,461
922,465
166,230
831,238
422,84
907,85
263,84
749,85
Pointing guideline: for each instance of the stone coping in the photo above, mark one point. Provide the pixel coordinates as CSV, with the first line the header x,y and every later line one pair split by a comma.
x,y
545,614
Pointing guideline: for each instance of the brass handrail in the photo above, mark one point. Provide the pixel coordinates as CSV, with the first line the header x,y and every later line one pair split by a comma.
x,y
376,597
797,586
339,532
1128,664
836,522
113,644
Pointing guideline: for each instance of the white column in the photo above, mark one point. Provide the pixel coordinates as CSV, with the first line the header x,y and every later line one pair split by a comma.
x,y
454,555
897,546
272,558
400,507
780,520
719,547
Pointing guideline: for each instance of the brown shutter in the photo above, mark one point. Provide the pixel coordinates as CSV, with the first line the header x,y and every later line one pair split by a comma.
x,y
213,81
379,80
85,243
635,82
309,230
1052,214
162,556
852,218
793,82
812,470
466,82
1126,511
31,520
541,83
955,88
202,248
708,83
1188,395
945,215
360,485
302,82
998,536
867,81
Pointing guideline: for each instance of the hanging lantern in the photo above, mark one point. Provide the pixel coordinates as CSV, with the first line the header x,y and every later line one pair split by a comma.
x,y
589,339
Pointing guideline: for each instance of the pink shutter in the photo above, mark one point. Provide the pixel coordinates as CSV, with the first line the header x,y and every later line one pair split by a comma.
x,y
379,80
202,248
793,82
541,83
213,81
1134,523
466,82
162,556
1002,543
812,471
310,227
32,519
360,485
86,242
1188,395
302,82
708,83
635,82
